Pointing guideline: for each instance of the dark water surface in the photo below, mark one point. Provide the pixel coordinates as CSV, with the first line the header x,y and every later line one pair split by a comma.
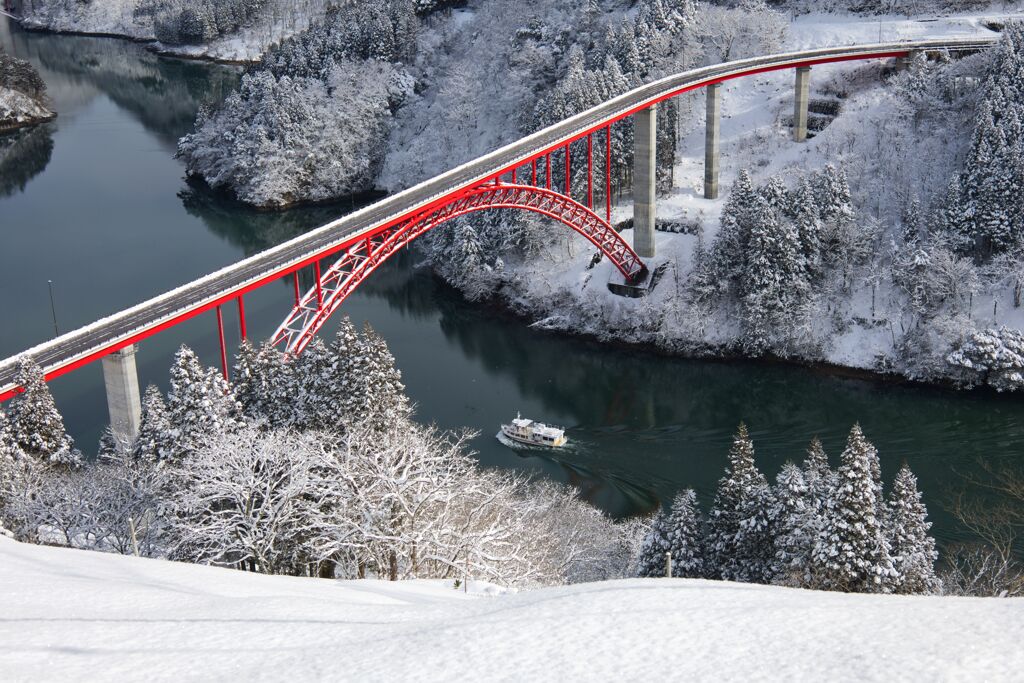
x,y
96,202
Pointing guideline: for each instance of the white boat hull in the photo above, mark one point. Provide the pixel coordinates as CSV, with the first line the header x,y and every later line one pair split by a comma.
x,y
509,434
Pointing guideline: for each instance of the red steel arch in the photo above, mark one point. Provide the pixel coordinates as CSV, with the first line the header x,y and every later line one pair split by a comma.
x,y
356,263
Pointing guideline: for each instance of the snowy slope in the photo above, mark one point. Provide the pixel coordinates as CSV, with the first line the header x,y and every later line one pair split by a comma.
x,y
74,615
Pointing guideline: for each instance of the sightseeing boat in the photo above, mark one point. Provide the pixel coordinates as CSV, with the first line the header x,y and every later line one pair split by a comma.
x,y
533,433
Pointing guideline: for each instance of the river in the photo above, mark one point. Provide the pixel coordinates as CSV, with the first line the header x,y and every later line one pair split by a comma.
x,y
96,202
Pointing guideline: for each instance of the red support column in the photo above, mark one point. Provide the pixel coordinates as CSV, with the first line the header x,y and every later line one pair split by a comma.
x,y
319,291
608,174
298,295
241,316
547,169
568,176
590,171
223,347
533,173
513,175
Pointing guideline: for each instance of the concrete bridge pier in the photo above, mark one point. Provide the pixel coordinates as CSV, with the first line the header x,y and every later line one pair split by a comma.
x,y
644,176
124,404
903,63
803,94
711,141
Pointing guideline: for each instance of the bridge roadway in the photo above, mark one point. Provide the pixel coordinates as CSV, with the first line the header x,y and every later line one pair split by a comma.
x,y
89,343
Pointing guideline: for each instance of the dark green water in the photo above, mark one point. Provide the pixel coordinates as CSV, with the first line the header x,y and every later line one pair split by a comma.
x,y
96,202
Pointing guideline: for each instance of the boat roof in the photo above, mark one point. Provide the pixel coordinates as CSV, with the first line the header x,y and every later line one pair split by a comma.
x,y
522,422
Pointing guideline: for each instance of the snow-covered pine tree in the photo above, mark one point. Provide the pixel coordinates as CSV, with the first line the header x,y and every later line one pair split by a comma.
x,y
738,216
773,284
739,535
384,401
36,426
347,384
820,478
686,537
246,381
11,459
851,552
913,549
803,210
794,528
775,194
835,208
651,562
154,440
264,379
316,400
833,194
200,404
913,222
952,219
726,259
993,175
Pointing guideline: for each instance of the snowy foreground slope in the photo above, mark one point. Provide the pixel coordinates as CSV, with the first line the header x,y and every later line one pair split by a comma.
x,y
75,615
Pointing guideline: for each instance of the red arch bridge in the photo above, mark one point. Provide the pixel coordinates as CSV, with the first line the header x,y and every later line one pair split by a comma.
x,y
516,177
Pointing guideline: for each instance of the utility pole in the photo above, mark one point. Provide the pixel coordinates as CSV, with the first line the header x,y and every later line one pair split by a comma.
x,y
53,309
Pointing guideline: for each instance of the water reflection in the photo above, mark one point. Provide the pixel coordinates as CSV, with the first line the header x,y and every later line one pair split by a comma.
x,y
24,154
164,95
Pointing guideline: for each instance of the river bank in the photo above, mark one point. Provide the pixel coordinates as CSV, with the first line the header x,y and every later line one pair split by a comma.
x,y
273,22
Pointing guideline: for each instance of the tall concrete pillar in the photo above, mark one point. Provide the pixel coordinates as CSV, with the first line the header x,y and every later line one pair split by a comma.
x,y
644,177
711,141
122,383
803,94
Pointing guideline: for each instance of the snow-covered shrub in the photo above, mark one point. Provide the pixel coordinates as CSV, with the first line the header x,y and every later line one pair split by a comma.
x,y
994,357
981,571
109,506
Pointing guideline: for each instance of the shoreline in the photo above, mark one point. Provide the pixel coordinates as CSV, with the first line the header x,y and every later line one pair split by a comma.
x,y
151,44
14,126
498,307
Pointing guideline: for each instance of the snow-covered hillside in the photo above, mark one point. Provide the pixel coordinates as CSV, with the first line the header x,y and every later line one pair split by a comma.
x,y
75,615
271,21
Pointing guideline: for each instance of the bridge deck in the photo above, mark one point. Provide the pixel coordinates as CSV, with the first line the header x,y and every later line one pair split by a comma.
x,y
91,342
